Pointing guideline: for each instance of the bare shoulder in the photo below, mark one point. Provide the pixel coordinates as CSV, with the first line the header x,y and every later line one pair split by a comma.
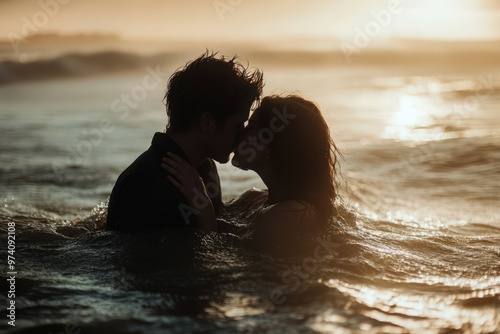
x,y
291,206
251,195
286,217
254,192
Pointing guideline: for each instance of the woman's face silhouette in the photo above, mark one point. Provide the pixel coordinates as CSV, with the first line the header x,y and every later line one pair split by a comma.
x,y
251,151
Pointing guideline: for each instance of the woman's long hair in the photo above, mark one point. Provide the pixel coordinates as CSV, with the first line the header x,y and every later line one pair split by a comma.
x,y
302,152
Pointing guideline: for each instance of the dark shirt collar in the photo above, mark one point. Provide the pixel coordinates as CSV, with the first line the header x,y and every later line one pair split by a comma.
x,y
162,143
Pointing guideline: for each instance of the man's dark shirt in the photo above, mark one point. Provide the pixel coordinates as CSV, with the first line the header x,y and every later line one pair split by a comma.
x,y
143,198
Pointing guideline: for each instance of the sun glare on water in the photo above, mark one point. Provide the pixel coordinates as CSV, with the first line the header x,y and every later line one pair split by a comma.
x,y
413,120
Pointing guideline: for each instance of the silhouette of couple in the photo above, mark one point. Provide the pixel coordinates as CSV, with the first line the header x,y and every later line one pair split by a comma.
x,y
286,142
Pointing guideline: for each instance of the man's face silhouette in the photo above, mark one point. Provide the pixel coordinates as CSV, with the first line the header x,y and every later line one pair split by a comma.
x,y
224,137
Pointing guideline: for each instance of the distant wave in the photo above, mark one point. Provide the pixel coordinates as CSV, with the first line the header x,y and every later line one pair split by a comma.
x,y
105,62
77,65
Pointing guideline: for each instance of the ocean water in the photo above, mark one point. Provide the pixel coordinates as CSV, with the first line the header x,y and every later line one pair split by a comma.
x,y
416,248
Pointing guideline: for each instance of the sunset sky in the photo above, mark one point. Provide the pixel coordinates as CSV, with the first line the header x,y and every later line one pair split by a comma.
x,y
255,20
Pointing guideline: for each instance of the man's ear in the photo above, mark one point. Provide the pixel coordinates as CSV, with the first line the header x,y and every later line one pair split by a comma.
x,y
207,122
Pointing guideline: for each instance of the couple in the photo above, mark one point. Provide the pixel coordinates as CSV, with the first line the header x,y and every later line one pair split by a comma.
x,y
286,142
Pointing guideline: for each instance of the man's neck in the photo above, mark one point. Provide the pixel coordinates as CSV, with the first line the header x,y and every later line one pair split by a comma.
x,y
190,146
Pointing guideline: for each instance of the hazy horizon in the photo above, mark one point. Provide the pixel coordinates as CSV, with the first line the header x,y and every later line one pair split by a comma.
x,y
449,35
320,24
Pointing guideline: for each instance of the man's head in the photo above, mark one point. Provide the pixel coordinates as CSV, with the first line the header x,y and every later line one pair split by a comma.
x,y
216,93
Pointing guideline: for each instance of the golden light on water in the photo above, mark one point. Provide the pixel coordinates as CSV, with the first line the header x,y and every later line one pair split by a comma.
x,y
433,110
401,264
423,311
412,120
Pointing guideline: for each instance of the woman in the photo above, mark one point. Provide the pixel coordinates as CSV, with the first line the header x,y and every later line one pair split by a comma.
x,y
288,144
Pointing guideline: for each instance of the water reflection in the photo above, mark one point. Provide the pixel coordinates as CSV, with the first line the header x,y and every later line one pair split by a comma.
x,y
417,118
441,108
422,311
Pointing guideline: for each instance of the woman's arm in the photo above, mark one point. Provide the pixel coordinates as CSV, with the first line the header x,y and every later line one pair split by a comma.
x,y
187,180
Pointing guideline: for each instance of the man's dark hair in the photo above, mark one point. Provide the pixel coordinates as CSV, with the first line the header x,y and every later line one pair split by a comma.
x,y
218,85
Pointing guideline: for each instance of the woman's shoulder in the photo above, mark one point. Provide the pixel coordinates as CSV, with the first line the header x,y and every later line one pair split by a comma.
x,y
284,225
291,211
290,216
254,192
246,206
251,196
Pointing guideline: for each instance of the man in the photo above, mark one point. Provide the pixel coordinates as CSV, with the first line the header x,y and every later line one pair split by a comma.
x,y
208,101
